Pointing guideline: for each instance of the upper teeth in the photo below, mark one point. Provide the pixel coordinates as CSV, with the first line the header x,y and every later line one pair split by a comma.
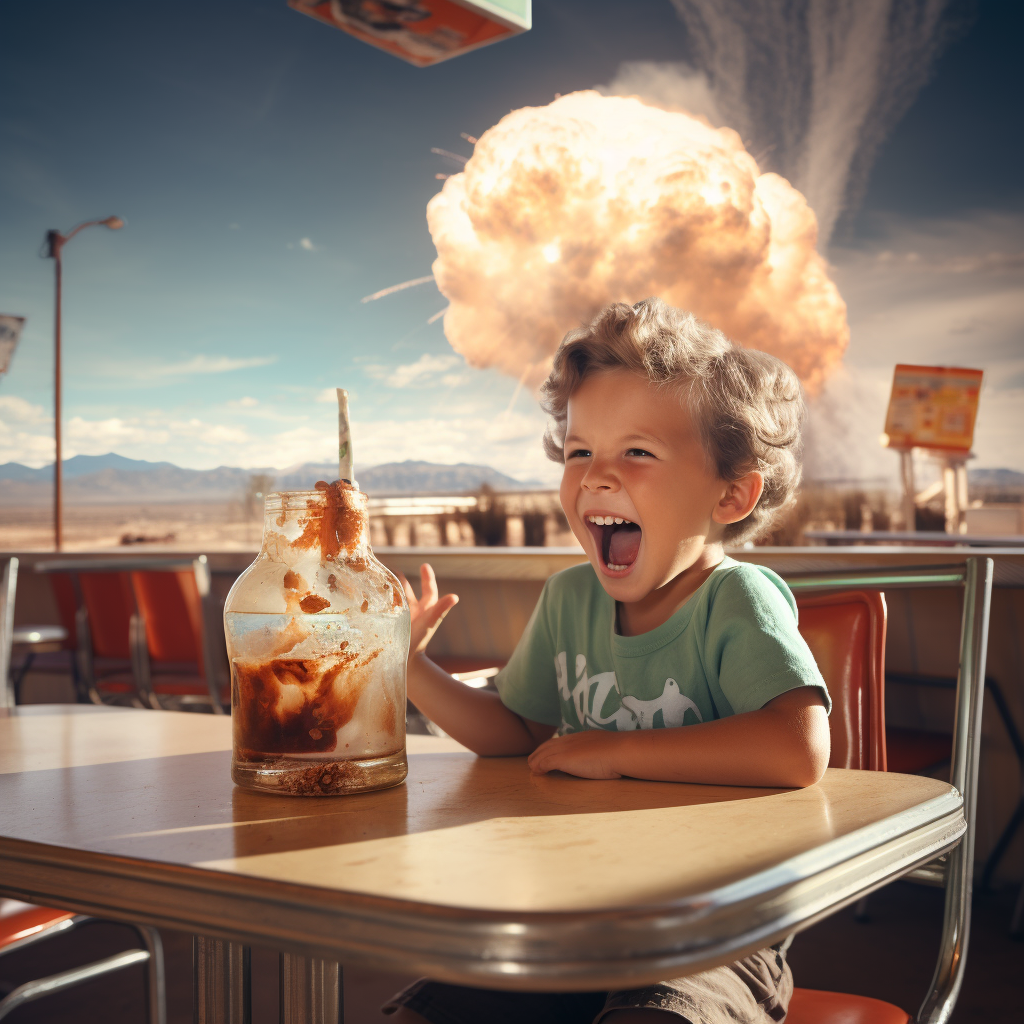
x,y
606,520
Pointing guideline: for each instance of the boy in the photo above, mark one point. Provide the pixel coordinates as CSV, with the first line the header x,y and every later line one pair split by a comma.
x,y
674,441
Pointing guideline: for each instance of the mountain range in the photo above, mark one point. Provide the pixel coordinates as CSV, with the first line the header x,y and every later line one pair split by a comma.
x,y
101,479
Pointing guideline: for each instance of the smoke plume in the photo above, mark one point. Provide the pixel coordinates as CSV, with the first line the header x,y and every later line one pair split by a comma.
x,y
814,86
595,199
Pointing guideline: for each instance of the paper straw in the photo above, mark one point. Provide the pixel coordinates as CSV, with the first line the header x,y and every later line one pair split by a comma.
x,y
344,439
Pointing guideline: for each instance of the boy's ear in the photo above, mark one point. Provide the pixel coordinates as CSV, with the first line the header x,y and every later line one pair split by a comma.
x,y
739,498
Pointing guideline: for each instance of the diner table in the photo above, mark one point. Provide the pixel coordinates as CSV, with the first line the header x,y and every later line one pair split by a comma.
x,y
474,871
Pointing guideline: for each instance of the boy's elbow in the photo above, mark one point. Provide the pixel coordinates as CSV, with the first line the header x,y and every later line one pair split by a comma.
x,y
811,760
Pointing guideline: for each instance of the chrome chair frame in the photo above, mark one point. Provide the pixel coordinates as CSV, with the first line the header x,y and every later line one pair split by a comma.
x,y
152,956
957,869
8,588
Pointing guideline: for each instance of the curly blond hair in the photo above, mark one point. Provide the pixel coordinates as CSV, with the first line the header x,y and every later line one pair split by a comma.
x,y
748,406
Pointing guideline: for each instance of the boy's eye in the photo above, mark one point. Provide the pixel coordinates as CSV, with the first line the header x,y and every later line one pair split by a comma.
x,y
577,453
639,452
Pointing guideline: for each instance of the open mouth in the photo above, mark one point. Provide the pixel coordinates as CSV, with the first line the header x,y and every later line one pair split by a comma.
x,y
617,539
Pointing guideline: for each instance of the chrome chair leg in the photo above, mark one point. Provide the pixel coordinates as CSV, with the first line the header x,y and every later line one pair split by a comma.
x,y
156,987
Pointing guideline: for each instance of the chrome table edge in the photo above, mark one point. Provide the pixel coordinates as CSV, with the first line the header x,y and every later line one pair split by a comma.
x,y
497,948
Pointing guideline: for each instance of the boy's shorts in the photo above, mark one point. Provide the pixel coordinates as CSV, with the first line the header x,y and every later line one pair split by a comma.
x,y
754,990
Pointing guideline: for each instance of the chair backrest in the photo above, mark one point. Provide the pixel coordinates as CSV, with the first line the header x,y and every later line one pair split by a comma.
x,y
8,588
63,587
846,634
110,605
170,605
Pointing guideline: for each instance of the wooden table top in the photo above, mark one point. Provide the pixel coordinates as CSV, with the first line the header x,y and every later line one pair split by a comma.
x,y
474,870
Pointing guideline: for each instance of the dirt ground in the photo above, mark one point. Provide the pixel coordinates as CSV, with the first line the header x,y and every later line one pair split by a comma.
x,y
205,526
212,526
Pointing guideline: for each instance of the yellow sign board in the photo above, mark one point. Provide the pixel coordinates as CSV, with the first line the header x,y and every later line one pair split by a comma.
x,y
933,407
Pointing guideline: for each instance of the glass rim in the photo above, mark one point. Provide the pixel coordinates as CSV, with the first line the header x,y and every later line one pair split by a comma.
x,y
298,501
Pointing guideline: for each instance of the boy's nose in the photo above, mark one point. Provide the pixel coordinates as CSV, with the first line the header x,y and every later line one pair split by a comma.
x,y
600,477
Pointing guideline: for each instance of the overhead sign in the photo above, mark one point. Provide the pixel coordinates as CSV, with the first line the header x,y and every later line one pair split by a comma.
x,y
10,332
933,407
423,31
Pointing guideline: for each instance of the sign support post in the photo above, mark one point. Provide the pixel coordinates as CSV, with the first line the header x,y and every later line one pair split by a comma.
x,y
934,408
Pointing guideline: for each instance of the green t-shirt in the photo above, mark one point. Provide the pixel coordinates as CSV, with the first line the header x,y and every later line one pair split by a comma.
x,y
731,648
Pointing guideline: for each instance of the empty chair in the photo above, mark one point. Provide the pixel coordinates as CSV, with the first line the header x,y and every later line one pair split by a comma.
x,y
104,648
24,924
173,655
845,641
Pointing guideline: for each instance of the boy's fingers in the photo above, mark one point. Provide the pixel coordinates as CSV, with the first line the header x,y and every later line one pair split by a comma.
x,y
441,609
410,594
428,583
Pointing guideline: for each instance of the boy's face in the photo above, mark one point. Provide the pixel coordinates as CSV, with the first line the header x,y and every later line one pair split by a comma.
x,y
633,454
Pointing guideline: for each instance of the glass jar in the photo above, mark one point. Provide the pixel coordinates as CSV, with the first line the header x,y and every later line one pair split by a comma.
x,y
318,638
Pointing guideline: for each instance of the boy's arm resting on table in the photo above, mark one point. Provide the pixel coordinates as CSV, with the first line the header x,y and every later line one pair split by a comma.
x,y
475,718
785,744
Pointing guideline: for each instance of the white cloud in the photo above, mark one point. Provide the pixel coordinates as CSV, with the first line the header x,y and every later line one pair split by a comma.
x,y
306,244
246,402
196,365
26,432
97,437
418,374
17,410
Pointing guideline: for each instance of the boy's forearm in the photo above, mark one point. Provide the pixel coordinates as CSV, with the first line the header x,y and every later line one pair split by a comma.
x,y
755,749
785,744
476,718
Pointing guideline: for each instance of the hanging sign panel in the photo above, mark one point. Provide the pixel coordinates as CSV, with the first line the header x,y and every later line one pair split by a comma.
x,y
10,332
423,32
933,407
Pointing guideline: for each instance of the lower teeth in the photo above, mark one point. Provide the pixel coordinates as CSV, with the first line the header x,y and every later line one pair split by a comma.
x,y
618,568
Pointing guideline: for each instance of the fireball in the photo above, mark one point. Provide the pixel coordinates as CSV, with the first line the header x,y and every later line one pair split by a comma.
x,y
595,199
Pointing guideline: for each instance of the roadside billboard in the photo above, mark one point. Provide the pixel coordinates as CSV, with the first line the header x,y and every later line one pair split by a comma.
x,y
933,407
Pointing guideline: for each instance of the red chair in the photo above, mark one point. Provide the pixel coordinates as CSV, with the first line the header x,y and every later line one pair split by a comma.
x,y
173,657
23,924
846,633
142,632
102,626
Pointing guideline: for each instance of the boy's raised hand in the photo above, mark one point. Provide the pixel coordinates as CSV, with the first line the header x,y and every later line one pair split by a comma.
x,y
427,611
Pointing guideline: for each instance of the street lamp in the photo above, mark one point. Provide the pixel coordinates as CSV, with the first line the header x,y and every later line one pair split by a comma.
x,y
55,243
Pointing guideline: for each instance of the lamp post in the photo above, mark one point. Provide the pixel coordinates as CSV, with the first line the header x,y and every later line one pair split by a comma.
x,y
55,243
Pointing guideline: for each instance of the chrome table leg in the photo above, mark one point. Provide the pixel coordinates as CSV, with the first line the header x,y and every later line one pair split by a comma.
x,y
311,991
221,990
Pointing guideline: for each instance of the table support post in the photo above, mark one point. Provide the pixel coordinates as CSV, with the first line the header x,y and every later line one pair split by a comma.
x,y
311,991
221,989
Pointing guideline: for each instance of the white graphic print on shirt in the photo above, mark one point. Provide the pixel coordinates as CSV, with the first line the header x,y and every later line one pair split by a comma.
x,y
590,693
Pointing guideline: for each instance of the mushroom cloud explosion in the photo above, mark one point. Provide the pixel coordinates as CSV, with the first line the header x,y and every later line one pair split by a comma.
x,y
594,199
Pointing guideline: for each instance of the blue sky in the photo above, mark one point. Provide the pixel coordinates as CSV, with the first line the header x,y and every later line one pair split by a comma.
x,y
272,172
